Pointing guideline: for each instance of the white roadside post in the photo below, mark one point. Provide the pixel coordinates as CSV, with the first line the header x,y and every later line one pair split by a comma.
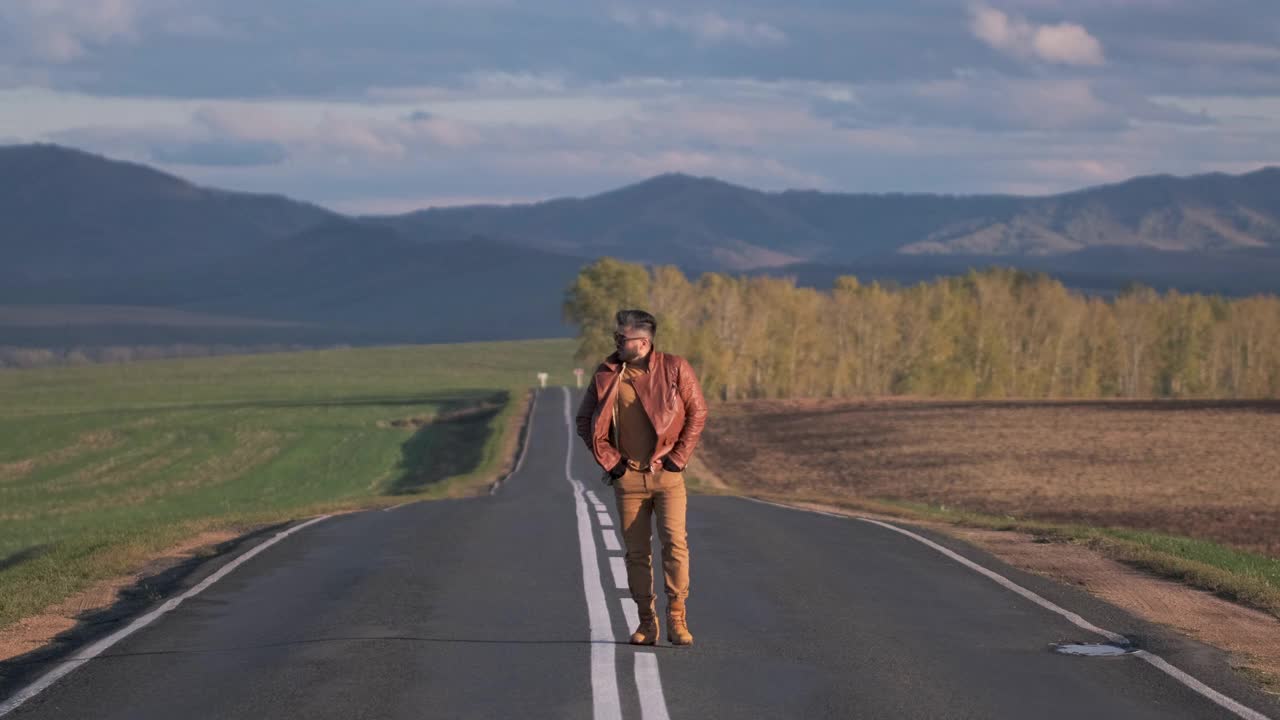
x,y
577,374
542,379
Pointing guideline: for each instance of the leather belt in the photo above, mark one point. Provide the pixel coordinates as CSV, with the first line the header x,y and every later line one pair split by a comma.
x,y
640,467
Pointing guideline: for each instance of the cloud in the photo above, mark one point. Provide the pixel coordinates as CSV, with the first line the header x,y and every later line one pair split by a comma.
x,y
1001,104
983,102
1064,43
708,28
61,31
174,145
197,26
494,82
323,132
1209,52
300,48
1083,170
220,152
696,132
767,133
253,134
1068,44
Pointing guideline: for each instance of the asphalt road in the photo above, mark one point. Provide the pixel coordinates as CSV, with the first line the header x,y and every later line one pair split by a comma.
x,y
509,606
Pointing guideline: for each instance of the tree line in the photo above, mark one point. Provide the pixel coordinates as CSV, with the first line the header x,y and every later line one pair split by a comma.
x,y
995,333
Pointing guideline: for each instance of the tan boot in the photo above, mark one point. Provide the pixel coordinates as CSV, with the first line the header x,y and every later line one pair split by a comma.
x,y
677,629
647,632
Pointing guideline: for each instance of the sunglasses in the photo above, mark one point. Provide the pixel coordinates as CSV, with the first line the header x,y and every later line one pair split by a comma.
x,y
619,338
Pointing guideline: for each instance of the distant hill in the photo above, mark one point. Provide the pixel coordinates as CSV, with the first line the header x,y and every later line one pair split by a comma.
x,y
70,214
349,275
88,231
674,219
349,281
1203,213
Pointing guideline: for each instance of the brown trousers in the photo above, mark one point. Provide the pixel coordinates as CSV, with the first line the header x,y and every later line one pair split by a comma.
x,y
640,497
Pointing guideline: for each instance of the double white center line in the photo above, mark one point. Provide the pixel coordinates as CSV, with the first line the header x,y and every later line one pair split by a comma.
x,y
605,699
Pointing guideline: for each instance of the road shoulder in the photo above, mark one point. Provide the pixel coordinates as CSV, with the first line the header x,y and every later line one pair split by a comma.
x,y
1251,638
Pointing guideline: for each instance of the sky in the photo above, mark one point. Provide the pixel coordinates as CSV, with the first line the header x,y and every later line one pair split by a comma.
x,y
387,106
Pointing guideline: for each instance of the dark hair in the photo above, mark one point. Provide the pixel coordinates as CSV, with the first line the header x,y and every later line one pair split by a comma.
x,y
639,320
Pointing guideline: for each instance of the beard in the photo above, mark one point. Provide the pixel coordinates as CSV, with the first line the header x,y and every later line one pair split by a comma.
x,y
628,355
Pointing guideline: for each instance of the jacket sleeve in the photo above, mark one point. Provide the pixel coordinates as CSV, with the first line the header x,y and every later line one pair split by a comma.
x,y
695,415
586,409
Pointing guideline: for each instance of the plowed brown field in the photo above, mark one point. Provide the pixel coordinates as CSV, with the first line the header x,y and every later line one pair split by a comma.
x,y
1204,469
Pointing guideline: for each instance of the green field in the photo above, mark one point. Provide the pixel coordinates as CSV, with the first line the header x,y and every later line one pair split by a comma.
x,y
102,467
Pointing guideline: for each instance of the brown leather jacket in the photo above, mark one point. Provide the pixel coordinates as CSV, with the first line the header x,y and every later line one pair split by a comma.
x,y
670,395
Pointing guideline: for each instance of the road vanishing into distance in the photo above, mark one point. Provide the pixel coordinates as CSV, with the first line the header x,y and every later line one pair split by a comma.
x,y
513,606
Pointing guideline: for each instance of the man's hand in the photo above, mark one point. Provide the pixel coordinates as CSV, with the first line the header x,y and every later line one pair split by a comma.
x,y
670,465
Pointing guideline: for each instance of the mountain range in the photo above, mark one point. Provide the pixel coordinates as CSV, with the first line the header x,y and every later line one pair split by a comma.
x,y
82,230
709,223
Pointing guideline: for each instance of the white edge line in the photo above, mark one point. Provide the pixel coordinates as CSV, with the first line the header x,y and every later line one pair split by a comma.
x,y
653,705
1074,618
393,507
1155,660
605,519
89,653
610,540
618,567
528,435
630,614
1182,677
605,702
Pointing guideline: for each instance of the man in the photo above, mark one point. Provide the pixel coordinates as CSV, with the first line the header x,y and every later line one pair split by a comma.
x,y
641,417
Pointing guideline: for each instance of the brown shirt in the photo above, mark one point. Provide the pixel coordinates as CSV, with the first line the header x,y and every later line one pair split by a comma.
x,y
636,436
